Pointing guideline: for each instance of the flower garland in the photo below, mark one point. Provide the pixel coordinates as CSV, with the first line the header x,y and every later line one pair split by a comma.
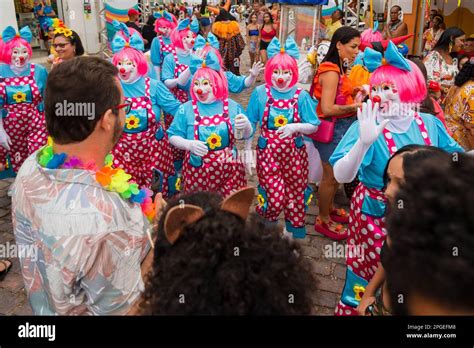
x,y
111,179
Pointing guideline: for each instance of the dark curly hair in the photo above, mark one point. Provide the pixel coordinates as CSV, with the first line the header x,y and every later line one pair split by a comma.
x,y
466,74
431,252
222,265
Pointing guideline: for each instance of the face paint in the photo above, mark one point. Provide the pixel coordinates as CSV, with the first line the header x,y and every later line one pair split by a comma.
x,y
203,90
386,94
20,57
188,41
322,50
281,79
165,31
128,71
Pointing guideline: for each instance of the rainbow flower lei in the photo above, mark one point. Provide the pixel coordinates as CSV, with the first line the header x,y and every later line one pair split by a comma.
x,y
111,179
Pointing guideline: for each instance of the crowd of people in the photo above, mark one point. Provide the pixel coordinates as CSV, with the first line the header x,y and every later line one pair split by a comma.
x,y
140,204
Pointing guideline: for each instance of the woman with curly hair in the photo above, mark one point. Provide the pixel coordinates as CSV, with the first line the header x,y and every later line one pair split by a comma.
x,y
211,258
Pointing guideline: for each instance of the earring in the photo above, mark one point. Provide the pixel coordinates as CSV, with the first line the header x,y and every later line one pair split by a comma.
x,y
345,62
450,46
74,51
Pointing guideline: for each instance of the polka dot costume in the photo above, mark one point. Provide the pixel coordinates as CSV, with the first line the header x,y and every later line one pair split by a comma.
x,y
220,170
367,230
282,168
24,123
140,153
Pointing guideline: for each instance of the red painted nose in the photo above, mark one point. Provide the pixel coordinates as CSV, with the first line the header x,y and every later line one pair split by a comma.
x,y
199,91
280,80
122,70
22,59
376,99
192,42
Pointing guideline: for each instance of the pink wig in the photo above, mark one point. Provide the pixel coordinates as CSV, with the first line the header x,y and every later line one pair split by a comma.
x,y
218,82
209,48
162,22
411,85
8,47
177,37
368,36
137,57
1,49
281,61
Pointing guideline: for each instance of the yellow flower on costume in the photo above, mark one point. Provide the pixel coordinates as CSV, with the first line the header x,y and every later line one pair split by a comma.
x,y
59,30
132,122
214,141
280,121
261,200
67,32
359,292
177,185
19,97
309,199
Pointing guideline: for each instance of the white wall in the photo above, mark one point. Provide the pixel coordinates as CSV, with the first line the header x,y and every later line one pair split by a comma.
x,y
7,17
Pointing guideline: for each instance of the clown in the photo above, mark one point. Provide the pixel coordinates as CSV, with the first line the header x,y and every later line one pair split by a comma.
x,y
237,83
161,45
22,86
385,123
143,151
206,128
284,112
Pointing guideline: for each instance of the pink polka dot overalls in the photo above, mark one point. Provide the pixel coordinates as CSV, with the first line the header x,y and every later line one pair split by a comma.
x,y
24,123
368,231
182,96
143,150
282,166
219,170
164,48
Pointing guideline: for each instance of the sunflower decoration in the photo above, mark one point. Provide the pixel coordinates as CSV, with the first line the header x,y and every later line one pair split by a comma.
x,y
310,198
177,185
132,122
67,32
59,30
19,97
214,141
359,292
280,121
260,200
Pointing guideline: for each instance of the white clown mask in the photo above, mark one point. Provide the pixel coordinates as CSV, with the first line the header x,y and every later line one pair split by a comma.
x,y
165,31
20,57
281,79
202,88
128,71
188,41
322,50
386,94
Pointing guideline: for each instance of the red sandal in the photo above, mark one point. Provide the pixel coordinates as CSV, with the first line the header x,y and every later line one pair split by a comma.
x,y
323,228
339,215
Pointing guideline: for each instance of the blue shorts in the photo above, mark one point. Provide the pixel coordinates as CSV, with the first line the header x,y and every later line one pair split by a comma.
x,y
340,128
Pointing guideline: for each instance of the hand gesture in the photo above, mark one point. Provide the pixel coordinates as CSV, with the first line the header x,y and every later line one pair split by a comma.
x,y
368,127
256,69
288,130
364,303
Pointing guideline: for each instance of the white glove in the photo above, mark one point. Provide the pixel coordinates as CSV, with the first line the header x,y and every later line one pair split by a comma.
x,y
5,140
196,147
345,170
242,126
369,130
184,77
256,69
292,128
